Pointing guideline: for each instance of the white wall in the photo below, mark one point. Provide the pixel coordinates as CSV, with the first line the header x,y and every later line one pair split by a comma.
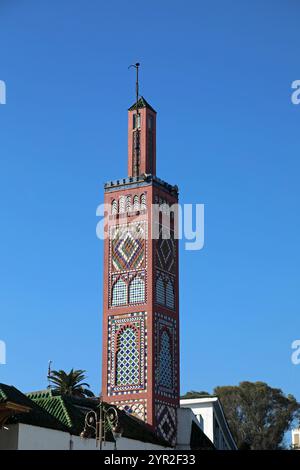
x,y
184,422
185,418
36,438
207,412
25,437
210,409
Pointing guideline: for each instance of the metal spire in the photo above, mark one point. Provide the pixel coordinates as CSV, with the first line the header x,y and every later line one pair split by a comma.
x,y
136,161
136,66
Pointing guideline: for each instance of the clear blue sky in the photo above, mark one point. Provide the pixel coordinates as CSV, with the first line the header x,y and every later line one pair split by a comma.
x,y
219,74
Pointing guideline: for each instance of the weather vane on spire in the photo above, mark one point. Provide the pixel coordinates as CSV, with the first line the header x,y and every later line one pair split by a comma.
x,y
136,66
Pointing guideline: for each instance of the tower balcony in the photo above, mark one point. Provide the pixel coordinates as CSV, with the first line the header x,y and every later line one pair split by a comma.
x,y
137,181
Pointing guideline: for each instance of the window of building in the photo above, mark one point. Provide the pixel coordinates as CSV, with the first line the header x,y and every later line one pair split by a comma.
x,y
114,207
170,300
137,290
122,204
119,293
150,122
127,370
160,291
128,204
165,361
143,202
201,422
136,203
136,121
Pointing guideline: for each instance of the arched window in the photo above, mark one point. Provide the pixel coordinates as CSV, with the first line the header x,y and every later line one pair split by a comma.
x,y
119,293
165,361
136,205
160,291
165,207
137,291
122,205
127,367
114,207
128,204
143,202
170,298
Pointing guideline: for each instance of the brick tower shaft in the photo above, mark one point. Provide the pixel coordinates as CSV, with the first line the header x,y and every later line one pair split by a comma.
x,y
141,291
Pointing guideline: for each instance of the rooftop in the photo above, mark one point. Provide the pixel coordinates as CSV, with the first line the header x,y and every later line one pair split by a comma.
x,y
18,408
49,409
142,103
142,180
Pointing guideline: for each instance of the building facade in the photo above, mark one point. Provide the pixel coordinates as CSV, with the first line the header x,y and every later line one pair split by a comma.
x,y
141,295
209,413
296,439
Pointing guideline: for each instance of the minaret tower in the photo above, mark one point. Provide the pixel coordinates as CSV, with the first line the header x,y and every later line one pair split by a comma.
x,y
141,295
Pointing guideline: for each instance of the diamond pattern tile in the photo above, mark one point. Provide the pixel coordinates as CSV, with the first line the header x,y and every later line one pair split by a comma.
x,y
128,248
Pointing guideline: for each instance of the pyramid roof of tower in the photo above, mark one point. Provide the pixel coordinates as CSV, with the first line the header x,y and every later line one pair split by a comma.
x,y
142,103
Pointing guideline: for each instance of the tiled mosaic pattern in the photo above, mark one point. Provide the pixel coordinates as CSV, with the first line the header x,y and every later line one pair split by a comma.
x,y
166,251
129,204
137,290
165,361
128,247
128,261
127,370
164,290
166,422
128,288
136,408
119,293
166,367
127,354
160,290
170,295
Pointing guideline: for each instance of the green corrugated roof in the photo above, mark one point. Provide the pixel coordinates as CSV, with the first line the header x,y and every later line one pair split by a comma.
x,y
66,413
37,416
12,394
71,412
142,103
48,393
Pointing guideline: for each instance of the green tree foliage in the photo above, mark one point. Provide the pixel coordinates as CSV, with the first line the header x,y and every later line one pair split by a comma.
x,y
258,415
194,394
71,383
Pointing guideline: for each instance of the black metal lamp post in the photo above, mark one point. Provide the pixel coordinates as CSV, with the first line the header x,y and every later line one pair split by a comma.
x,y
100,422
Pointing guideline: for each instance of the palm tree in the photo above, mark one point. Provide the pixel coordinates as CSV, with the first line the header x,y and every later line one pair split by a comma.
x,y
70,383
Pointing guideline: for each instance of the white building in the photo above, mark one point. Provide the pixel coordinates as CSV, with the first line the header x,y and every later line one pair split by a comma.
x,y
209,413
296,438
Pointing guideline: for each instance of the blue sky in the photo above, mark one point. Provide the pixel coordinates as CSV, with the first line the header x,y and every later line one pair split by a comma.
x,y
219,74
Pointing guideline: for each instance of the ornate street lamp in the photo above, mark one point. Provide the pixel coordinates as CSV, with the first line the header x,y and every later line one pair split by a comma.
x,y
100,422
